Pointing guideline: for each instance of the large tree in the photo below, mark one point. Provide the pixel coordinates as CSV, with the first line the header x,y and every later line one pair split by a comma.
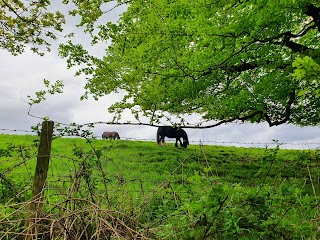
x,y
227,60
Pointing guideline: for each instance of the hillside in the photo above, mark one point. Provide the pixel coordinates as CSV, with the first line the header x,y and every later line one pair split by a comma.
x,y
138,190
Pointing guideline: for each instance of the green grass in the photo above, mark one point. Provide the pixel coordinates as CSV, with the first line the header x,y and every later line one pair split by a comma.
x,y
243,193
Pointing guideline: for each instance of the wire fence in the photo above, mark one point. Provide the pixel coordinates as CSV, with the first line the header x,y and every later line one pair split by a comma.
x,y
29,153
303,144
8,130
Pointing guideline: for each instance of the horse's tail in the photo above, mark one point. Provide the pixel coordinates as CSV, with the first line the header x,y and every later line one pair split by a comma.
x,y
157,137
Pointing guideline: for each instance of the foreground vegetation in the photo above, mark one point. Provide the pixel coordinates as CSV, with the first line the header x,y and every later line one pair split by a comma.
x,y
102,189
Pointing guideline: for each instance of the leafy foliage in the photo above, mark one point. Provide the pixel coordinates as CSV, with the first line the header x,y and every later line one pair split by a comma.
x,y
28,23
225,60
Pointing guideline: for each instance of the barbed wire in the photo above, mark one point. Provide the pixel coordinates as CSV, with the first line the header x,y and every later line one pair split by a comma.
x,y
229,142
15,130
200,141
123,180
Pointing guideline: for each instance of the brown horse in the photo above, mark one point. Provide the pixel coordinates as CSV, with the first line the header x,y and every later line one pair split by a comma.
x,y
111,135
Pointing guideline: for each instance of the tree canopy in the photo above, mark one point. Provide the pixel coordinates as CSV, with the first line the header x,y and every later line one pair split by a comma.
x,y
227,60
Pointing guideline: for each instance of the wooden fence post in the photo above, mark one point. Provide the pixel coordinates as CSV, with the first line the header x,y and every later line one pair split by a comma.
x,y
40,178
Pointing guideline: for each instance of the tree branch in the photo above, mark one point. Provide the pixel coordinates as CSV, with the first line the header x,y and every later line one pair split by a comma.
x,y
314,12
295,47
17,14
157,125
287,112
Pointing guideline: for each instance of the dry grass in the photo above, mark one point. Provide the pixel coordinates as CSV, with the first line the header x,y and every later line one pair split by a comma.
x,y
73,218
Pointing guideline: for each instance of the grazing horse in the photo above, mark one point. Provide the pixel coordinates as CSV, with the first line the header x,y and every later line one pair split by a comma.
x,y
113,135
172,132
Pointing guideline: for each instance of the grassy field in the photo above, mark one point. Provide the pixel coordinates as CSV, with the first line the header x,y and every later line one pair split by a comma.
x,y
137,190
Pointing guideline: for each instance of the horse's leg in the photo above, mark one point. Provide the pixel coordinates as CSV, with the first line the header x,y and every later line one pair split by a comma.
x,y
180,142
176,144
163,143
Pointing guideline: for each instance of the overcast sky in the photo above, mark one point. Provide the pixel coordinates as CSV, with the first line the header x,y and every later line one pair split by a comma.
x,y
23,75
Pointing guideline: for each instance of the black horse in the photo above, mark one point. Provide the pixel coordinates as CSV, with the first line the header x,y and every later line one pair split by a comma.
x,y
172,132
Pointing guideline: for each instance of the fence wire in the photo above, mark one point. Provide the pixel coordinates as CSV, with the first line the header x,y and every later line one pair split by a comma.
x,y
294,145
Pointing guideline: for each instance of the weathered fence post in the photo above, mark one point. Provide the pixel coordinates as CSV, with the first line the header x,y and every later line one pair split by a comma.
x,y
40,178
